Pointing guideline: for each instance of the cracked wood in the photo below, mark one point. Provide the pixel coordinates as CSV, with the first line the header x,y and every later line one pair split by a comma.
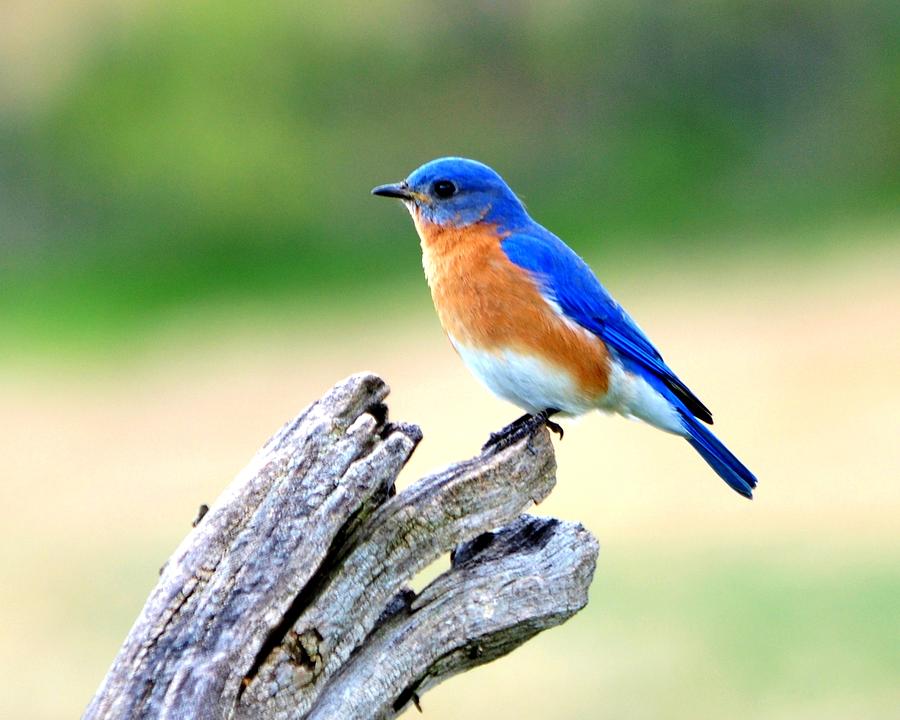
x,y
288,599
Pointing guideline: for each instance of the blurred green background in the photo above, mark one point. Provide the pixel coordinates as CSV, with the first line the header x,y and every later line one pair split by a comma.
x,y
193,152
189,254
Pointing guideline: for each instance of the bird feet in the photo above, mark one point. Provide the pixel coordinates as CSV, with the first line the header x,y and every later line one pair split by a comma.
x,y
521,428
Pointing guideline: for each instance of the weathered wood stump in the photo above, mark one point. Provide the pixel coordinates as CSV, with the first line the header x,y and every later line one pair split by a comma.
x,y
288,598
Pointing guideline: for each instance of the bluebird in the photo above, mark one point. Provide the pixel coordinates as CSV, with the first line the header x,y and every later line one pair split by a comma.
x,y
531,320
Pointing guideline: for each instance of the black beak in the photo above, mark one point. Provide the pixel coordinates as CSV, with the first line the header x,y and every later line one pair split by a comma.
x,y
394,190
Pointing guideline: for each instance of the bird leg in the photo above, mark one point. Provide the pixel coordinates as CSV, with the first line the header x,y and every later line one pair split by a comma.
x,y
514,427
521,428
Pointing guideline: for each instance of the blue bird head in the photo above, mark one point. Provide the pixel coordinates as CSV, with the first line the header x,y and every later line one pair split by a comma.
x,y
457,192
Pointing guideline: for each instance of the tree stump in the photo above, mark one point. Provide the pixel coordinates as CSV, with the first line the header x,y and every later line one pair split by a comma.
x,y
288,599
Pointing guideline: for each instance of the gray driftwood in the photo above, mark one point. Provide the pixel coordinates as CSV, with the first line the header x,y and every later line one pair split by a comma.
x,y
289,600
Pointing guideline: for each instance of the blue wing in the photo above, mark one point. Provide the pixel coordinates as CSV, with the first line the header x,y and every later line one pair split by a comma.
x,y
567,279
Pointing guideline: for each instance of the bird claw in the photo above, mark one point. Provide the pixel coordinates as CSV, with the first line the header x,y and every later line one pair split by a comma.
x,y
500,440
521,428
555,427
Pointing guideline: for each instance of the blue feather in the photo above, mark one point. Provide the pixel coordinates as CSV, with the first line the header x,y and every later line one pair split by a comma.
x,y
567,280
719,457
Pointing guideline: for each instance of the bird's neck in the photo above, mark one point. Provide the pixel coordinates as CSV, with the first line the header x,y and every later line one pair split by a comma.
x,y
450,253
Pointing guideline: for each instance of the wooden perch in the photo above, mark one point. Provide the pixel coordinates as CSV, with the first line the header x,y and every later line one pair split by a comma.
x,y
288,598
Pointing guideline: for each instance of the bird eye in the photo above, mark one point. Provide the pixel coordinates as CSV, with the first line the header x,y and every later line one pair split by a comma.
x,y
444,188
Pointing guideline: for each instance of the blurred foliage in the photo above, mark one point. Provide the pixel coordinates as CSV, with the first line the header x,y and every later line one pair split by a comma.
x,y
224,150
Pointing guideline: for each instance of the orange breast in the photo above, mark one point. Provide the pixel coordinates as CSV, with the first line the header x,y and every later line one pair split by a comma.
x,y
485,301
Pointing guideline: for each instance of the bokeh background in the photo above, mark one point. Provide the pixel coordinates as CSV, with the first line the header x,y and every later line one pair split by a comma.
x,y
189,255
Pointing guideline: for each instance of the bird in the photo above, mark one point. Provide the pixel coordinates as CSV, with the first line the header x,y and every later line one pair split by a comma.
x,y
530,319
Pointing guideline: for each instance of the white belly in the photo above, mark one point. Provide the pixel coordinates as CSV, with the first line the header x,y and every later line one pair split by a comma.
x,y
633,397
535,385
526,381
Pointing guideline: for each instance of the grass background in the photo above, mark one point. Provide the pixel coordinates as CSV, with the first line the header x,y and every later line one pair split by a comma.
x,y
188,255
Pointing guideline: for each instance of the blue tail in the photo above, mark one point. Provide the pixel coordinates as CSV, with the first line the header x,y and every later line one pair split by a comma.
x,y
719,457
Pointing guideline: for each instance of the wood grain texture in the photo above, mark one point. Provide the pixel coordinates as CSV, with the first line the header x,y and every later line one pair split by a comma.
x,y
289,600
